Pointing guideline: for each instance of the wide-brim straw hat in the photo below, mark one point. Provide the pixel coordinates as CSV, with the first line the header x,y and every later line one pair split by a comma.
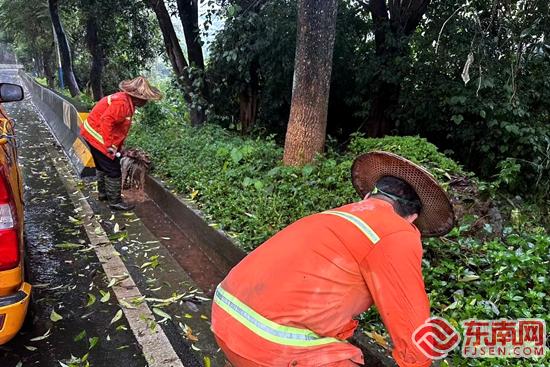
x,y
437,216
140,88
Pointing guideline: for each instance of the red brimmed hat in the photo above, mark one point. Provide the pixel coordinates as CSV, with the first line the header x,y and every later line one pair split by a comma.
x,y
436,217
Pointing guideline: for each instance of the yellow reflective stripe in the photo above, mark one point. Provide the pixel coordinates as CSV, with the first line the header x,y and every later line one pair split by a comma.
x,y
92,132
357,222
267,329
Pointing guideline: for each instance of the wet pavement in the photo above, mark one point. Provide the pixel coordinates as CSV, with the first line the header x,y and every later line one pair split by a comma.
x,y
76,316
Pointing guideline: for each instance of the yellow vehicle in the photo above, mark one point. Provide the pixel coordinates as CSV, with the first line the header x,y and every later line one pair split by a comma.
x,y
14,291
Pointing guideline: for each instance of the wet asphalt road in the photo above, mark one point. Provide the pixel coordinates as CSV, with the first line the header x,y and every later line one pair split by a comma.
x,y
61,279
69,281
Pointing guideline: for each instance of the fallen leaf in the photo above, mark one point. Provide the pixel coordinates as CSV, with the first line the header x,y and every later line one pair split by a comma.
x,y
91,300
469,278
80,336
379,339
93,341
117,317
55,317
126,304
105,296
47,334
189,333
161,313
68,246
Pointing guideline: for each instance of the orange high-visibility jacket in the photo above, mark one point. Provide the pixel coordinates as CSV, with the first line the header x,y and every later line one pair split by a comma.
x,y
291,302
108,123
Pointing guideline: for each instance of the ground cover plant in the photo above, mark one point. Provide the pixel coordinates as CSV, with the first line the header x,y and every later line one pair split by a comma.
x,y
493,265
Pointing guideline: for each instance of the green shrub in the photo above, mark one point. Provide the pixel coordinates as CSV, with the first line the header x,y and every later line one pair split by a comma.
x,y
415,148
241,186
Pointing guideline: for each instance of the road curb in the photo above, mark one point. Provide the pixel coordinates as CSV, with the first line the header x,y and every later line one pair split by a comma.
x,y
156,347
217,245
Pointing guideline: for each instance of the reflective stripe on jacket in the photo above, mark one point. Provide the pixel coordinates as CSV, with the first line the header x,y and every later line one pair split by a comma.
x,y
269,330
314,277
108,123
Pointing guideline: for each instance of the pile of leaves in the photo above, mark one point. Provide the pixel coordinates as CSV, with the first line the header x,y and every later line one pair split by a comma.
x,y
494,264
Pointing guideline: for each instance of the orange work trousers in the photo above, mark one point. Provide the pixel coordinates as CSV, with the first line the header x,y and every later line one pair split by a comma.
x,y
238,361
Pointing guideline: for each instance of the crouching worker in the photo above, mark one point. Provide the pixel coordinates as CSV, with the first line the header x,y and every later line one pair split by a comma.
x,y
293,300
105,130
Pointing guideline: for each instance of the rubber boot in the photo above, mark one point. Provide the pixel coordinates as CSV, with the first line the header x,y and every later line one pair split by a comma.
x,y
113,186
101,192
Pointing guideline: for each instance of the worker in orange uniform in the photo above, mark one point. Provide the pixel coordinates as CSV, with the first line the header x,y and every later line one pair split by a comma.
x,y
292,301
105,130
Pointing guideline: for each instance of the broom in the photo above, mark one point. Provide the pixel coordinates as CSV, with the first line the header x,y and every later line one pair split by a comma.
x,y
135,163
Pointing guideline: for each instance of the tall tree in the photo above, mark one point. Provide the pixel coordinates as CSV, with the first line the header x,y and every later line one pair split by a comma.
x,y
394,24
305,136
33,40
178,61
96,50
64,49
189,15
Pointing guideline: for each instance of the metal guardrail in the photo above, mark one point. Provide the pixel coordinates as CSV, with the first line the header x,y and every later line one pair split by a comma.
x,y
11,66
64,120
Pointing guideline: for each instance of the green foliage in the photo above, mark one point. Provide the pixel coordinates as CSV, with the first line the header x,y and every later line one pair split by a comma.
x,y
128,36
252,42
501,113
503,110
238,182
240,185
417,149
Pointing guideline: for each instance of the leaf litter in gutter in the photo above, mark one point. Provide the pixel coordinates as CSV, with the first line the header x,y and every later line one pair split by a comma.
x,y
42,337
162,314
55,317
91,300
105,296
117,317
80,336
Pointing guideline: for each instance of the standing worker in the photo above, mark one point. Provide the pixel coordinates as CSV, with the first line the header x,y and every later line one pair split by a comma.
x,y
105,130
292,301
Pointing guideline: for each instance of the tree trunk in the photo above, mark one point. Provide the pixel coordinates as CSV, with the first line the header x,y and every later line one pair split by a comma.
x,y
96,50
177,59
64,49
248,99
380,122
48,70
391,35
305,136
189,16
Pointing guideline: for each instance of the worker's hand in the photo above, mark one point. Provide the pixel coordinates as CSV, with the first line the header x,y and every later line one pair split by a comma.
x,y
111,151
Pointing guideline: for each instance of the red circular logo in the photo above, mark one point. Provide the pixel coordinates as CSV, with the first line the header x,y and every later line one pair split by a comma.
x,y
436,338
